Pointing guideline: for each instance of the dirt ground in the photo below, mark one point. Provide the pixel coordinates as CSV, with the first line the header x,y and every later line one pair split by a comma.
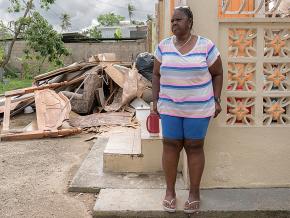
x,y
34,176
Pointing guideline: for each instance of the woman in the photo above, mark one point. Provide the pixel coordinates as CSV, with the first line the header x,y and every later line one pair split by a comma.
x,y
187,83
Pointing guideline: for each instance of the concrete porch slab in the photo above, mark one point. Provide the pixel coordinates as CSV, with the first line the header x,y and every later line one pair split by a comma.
x,y
215,203
91,178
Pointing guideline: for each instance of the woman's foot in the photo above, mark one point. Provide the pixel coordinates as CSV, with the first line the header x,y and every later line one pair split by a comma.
x,y
191,206
169,202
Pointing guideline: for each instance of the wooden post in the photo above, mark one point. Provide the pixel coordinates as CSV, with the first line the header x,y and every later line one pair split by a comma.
x,y
6,119
39,134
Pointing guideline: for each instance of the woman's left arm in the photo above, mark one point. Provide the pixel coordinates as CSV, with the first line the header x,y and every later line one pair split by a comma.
x,y
216,71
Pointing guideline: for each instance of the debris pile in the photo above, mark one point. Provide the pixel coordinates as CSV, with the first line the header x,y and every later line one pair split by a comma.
x,y
80,97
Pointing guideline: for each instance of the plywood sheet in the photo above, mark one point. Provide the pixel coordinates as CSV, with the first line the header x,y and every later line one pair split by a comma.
x,y
51,109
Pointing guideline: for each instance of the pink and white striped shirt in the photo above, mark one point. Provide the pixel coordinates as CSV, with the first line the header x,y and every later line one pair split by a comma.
x,y
186,84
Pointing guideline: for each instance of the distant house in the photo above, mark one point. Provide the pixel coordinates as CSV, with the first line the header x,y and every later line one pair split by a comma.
x,y
131,31
73,37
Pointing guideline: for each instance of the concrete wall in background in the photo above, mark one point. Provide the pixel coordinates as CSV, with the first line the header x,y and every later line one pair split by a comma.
x,y
125,51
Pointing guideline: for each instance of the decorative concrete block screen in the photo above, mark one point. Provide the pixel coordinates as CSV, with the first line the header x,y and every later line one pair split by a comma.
x,y
250,8
257,52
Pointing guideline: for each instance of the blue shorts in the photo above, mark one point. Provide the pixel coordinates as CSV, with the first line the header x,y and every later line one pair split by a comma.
x,y
184,128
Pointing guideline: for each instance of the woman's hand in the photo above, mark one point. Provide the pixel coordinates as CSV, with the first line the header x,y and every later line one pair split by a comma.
x,y
218,109
155,107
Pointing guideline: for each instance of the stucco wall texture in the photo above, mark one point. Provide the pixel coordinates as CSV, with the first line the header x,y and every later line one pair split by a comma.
x,y
126,51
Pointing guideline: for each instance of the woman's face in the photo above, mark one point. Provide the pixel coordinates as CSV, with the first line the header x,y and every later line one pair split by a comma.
x,y
180,24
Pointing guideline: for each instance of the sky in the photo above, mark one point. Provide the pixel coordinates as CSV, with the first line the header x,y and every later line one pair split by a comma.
x,y
84,13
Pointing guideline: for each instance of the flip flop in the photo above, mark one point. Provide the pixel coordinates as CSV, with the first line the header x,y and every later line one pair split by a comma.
x,y
167,205
187,208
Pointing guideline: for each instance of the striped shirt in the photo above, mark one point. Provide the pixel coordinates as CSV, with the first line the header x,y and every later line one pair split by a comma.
x,y
185,83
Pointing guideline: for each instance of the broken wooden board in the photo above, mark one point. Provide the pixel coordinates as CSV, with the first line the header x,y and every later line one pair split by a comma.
x,y
6,118
130,86
65,77
39,134
18,99
102,119
116,75
15,102
84,103
68,69
12,107
120,75
47,86
100,97
117,102
51,109
106,57
20,108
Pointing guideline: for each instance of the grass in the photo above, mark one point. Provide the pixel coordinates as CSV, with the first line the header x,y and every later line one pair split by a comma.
x,y
13,84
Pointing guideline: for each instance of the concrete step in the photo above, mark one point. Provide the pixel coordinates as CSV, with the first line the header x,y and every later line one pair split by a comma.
x,y
134,151
122,150
128,142
215,203
91,178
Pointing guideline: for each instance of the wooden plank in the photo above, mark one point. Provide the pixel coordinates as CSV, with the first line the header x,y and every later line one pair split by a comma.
x,y
13,105
108,57
21,108
102,119
47,86
100,96
115,74
69,69
39,134
130,86
16,102
6,114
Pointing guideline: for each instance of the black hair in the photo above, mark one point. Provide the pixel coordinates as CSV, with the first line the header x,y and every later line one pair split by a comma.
x,y
188,13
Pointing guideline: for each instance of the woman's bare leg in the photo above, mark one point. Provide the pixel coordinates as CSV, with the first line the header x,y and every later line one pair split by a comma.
x,y
196,161
170,158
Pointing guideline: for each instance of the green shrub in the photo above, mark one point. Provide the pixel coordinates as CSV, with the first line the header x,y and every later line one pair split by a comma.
x,y
1,53
12,84
11,72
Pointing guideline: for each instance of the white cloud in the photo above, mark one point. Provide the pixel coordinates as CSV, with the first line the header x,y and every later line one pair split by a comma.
x,y
84,13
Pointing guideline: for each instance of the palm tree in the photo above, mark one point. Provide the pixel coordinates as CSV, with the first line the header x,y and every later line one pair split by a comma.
x,y
149,17
131,8
65,21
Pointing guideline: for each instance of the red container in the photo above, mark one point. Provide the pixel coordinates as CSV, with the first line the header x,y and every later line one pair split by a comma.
x,y
152,124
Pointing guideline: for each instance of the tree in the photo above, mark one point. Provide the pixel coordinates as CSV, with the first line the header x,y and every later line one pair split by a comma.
x,y
110,19
65,22
93,32
4,35
149,17
5,32
43,40
131,8
17,6
2,52
118,34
